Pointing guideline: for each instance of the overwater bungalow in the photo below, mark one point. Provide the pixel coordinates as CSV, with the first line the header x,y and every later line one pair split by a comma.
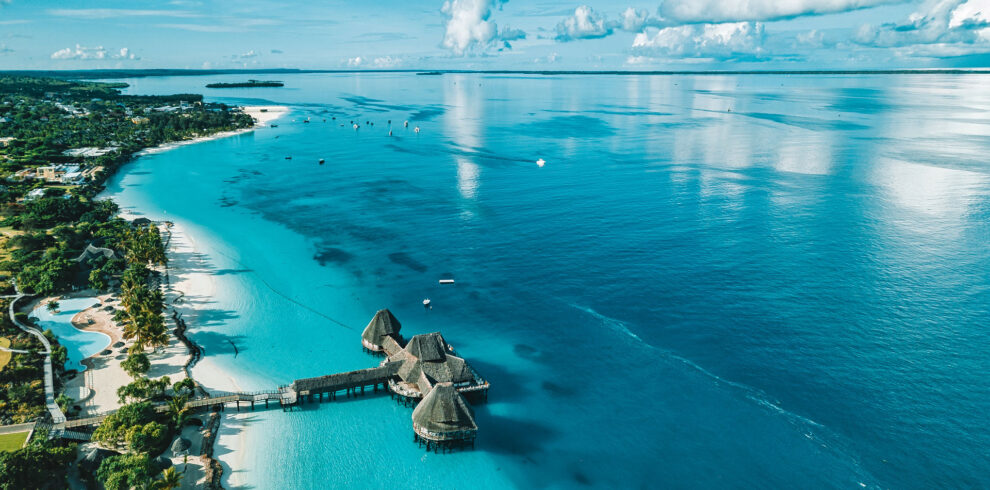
x,y
444,419
384,324
428,360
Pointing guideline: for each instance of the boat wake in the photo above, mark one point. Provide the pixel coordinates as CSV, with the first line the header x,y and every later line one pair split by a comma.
x,y
807,427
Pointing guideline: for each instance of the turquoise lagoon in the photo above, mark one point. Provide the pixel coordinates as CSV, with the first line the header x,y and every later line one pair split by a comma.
x,y
715,281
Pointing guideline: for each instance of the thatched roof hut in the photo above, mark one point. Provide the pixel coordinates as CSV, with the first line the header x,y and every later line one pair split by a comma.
x,y
94,457
384,324
425,361
427,347
180,445
444,415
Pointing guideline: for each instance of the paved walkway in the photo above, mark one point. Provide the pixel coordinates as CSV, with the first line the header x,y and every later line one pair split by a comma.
x,y
57,416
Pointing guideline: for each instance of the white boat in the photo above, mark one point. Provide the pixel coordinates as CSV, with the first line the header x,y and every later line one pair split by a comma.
x,y
426,302
446,281
541,162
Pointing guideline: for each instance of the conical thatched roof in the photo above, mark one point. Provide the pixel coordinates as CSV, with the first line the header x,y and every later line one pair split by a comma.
x,y
452,370
162,463
94,457
383,324
180,444
444,410
427,347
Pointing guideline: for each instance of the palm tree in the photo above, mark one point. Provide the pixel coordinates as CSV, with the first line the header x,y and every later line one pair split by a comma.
x,y
178,411
170,479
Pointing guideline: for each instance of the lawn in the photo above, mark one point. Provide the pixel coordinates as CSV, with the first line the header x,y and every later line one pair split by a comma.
x,y
4,355
12,442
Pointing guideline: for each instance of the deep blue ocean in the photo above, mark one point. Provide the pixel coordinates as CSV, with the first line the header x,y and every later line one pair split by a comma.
x,y
752,281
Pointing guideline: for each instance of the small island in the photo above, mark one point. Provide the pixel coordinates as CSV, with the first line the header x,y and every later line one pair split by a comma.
x,y
249,83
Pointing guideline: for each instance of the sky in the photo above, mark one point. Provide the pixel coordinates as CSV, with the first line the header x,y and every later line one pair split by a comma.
x,y
496,34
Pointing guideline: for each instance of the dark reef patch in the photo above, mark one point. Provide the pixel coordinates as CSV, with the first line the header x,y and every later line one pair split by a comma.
x,y
332,255
403,259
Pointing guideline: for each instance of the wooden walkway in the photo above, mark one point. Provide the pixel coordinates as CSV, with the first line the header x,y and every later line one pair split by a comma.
x,y
53,408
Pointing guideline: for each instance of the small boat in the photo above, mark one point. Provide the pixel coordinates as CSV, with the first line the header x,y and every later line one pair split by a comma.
x,y
288,157
356,127
274,125
541,162
416,130
305,120
405,124
446,281
322,161
426,302
390,132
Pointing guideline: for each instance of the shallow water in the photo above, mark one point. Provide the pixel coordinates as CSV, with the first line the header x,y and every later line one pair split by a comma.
x,y
734,281
80,344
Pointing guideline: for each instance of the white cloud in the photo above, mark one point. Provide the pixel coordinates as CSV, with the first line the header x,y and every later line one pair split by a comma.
x,y
634,20
377,62
585,23
467,27
98,53
754,10
813,38
249,54
387,62
938,28
734,40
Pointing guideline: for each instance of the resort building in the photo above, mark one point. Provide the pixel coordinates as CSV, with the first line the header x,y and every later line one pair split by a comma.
x,y
427,360
444,419
384,324
65,174
35,194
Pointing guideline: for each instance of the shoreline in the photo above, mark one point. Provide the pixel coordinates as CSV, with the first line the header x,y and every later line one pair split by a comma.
x,y
262,114
187,284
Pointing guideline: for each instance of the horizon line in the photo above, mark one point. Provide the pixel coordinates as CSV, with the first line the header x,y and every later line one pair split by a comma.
x,y
142,72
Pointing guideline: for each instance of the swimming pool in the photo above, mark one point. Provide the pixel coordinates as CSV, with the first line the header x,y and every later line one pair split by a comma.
x,y
80,344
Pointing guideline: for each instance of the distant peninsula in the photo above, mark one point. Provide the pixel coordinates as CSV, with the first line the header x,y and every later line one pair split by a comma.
x,y
249,83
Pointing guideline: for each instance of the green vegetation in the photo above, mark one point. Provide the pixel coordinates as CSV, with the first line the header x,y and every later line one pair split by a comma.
x,y
12,442
136,364
247,84
41,464
48,226
22,391
4,355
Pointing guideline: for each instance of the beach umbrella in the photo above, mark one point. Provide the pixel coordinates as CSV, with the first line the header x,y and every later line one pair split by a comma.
x,y
162,463
180,445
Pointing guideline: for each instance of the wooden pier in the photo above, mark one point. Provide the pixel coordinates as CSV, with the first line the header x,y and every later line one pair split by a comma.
x,y
409,373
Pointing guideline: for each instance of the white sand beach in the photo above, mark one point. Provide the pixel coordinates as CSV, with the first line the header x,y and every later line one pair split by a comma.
x,y
262,114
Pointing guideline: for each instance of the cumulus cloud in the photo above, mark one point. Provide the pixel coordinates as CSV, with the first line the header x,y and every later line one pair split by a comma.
x,y
98,53
939,27
510,34
634,20
720,11
249,54
468,27
584,23
377,62
726,41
